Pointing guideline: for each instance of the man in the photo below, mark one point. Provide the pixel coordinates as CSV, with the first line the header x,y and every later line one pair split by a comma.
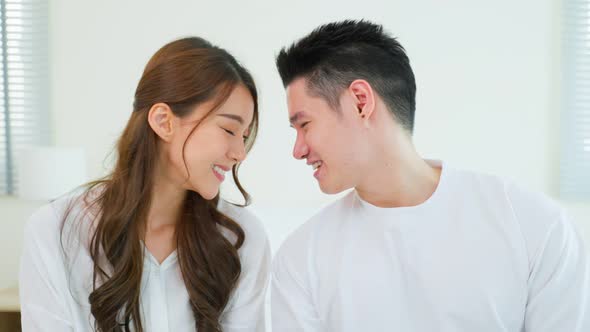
x,y
417,245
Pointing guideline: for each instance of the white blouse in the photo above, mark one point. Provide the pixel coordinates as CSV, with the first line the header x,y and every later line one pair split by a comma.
x,y
54,287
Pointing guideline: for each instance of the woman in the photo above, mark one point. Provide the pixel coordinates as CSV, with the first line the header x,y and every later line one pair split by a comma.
x,y
151,247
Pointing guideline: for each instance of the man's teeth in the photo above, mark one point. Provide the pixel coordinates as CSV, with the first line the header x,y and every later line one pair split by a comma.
x,y
316,165
218,170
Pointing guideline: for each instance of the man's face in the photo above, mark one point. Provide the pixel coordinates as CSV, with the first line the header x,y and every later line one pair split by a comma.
x,y
330,141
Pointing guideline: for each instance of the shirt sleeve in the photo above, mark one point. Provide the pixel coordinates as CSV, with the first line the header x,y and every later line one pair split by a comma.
x,y
41,282
292,305
559,282
245,311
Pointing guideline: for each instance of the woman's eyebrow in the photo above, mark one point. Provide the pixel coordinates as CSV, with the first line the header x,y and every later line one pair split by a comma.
x,y
233,117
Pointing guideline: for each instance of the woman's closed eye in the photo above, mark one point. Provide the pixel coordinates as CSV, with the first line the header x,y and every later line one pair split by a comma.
x,y
229,131
245,138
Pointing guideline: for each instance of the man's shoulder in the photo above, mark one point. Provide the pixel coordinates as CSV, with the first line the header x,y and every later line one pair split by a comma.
x,y
533,212
317,228
504,191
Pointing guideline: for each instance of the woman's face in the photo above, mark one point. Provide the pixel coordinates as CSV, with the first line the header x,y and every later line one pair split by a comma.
x,y
215,145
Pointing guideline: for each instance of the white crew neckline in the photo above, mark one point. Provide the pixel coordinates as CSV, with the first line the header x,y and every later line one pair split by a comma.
x,y
442,183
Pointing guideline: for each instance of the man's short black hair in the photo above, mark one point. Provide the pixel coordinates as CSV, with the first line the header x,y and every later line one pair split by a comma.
x,y
335,54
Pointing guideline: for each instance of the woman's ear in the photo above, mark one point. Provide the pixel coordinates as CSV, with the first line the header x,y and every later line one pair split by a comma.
x,y
161,120
363,96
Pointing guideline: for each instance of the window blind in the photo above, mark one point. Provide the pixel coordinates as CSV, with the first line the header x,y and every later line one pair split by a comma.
x,y
24,95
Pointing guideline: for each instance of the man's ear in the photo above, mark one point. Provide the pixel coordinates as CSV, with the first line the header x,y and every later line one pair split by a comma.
x,y
364,98
161,120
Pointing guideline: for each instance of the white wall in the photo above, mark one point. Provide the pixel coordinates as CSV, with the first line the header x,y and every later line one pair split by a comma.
x,y
487,75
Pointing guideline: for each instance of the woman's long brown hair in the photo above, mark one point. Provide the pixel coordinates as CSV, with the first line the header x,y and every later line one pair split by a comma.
x,y
182,74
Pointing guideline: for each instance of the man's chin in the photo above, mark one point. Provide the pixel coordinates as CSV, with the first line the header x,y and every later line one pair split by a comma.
x,y
332,189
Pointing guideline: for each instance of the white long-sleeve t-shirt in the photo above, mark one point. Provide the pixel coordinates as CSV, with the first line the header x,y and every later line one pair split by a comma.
x,y
55,283
479,255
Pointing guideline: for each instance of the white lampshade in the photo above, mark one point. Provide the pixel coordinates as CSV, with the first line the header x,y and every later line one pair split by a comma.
x,y
46,173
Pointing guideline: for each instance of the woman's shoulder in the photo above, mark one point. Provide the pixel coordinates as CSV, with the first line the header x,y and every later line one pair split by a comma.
x,y
44,219
66,215
256,238
243,216
50,215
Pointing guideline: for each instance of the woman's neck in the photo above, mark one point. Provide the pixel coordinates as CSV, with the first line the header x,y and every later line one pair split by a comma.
x,y
166,204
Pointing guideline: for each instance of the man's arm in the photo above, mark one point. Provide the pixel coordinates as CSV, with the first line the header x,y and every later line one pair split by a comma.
x,y
292,305
559,282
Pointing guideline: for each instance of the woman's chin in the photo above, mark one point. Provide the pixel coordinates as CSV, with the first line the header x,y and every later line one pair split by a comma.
x,y
209,193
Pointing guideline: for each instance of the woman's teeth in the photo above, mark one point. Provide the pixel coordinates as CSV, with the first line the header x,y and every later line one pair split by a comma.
x,y
219,170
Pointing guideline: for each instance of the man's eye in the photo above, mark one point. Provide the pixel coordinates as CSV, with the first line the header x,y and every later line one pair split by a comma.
x,y
304,124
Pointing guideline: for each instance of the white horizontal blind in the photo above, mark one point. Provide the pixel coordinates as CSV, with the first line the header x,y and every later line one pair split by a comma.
x,y
575,143
24,96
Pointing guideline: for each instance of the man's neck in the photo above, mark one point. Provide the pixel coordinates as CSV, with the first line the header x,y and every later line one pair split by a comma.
x,y
395,181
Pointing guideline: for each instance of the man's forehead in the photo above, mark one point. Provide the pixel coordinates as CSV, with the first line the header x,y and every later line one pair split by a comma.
x,y
297,88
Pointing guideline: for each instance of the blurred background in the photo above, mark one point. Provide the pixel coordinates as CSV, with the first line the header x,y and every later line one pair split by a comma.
x,y
503,87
